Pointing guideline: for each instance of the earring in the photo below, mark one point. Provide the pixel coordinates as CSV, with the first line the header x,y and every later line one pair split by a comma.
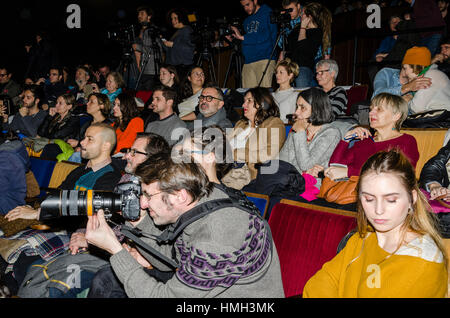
x,y
410,210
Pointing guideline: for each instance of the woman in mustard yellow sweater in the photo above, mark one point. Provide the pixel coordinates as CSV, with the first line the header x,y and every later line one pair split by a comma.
x,y
396,251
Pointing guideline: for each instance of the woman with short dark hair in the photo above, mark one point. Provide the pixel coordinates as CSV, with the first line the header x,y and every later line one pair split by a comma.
x,y
312,139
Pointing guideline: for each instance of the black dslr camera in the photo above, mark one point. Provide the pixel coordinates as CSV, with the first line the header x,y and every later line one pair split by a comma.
x,y
125,198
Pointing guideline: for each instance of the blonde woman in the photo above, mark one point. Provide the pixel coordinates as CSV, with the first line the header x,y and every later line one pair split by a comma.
x,y
397,251
285,96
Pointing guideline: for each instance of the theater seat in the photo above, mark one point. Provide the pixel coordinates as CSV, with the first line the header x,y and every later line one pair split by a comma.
x,y
355,94
144,95
260,200
61,171
306,237
42,170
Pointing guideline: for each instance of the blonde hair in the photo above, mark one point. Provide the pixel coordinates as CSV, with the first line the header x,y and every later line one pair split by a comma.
x,y
421,220
290,66
395,103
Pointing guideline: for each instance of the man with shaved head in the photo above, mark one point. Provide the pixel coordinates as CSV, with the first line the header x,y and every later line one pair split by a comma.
x,y
100,173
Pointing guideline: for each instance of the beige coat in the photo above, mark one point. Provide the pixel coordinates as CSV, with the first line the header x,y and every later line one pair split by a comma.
x,y
263,144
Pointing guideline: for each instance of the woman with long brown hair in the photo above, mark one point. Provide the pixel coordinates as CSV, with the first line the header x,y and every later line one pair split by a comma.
x,y
397,250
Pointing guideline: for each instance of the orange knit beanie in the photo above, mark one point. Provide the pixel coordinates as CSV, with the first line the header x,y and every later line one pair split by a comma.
x,y
417,56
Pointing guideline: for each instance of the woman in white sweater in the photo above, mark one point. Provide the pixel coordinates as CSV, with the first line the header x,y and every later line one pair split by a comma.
x,y
285,96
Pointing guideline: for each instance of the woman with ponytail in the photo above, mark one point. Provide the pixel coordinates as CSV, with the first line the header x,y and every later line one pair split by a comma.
x,y
397,250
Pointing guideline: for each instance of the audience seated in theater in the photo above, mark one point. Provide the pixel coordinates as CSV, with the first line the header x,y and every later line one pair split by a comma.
x,y
285,96
312,139
103,69
434,177
126,122
168,125
397,250
190,91
387,113
113,86
257,137
98,108
417,62
60,123
326,74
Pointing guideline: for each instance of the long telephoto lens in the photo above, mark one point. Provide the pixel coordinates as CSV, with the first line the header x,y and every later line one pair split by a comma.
x,y
74,203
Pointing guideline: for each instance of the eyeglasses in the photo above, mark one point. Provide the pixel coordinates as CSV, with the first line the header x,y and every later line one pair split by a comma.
x,y
1,75
208,98
149,196
321,72
133,152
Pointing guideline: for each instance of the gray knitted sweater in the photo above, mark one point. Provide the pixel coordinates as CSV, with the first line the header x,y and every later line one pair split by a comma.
x,y
228,253
303,155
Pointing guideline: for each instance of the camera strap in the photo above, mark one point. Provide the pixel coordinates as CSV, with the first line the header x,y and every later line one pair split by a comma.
x,y
170,234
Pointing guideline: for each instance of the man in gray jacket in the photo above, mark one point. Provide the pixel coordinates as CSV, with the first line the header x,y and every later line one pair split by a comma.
x,y
226,253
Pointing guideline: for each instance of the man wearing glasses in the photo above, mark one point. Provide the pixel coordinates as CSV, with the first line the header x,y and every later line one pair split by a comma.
x,y
210,103
173,191
169,125
8,86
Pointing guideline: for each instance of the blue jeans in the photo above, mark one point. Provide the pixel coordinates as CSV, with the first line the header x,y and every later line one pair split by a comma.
x,y
432,43
305,78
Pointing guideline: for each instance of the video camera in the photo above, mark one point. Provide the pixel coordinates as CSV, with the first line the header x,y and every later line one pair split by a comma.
x,y
224,27
125,198
281,17
124,34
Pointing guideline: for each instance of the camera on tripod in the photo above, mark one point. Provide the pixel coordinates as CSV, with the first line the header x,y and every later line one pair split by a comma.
x,y
125,198
123,34
281,17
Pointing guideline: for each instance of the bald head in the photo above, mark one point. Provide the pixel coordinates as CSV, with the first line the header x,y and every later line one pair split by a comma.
x,y
107,134
98,143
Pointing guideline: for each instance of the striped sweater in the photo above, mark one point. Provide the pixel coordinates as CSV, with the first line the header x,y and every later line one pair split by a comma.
x,y
338,99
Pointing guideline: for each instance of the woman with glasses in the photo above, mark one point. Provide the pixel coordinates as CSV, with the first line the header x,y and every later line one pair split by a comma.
x,y
326,73
397,251
190,91
256,138
126,123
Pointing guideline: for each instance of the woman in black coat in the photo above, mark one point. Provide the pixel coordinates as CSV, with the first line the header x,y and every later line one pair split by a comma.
x,y
59,124
434,176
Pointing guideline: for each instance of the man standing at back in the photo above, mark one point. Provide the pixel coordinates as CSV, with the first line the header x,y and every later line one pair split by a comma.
x,y
257,44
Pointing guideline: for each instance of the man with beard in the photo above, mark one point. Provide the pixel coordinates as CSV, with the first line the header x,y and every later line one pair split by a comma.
x,y
29,117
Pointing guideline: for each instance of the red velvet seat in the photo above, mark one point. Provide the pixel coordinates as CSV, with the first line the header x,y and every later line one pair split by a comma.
x,y
355,94
144,95
306,237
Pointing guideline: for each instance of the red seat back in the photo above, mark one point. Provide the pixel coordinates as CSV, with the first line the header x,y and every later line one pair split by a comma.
x,y
356,94
305,239
144,95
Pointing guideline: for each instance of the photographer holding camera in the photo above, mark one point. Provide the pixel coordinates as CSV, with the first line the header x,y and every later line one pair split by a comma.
x,y
293,8
188,225
257,44
147,49
100,173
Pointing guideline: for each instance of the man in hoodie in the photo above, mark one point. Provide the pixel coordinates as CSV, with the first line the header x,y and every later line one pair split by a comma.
x,y
257,44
